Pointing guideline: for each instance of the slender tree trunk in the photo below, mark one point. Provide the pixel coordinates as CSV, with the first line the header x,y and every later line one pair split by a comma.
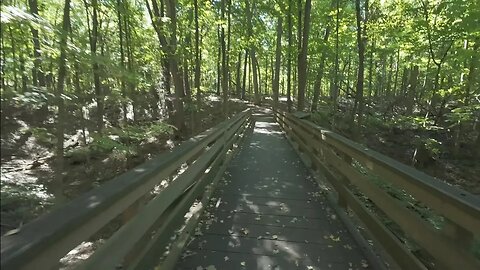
x,y
166,74
136,98
37,73
120,10
259,74
80,93
253,58
175,70
225,79
14,56
22,72
3,60
169,48
348,66
245,62
361,42
186,75
289,56
472,71
60,125
299,39
370,71
197,54
93,37
302,58
238,87
278,54
397,68
469,85
388,87
411,89
255,75
249,77
186,48
318,80
266,74
335,89
229,35
219,61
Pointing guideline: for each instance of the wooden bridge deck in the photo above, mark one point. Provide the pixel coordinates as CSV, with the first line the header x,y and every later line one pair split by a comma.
x,y
268,213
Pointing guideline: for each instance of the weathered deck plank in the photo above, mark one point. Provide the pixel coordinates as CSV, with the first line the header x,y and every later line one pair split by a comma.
x,y
268,214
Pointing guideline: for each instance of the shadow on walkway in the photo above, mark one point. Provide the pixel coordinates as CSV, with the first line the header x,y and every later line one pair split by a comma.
x,y
268,213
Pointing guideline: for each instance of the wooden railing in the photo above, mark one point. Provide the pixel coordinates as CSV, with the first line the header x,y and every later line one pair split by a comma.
x,y
146,235
338,159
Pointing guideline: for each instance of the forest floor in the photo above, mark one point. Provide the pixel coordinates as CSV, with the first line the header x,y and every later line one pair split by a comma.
x,y
463,172
394,139
391,137
27,161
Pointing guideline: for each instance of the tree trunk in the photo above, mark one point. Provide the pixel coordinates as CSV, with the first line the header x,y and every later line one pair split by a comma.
x,y
259,75
197,54
37,73
245,62
469,84
229,34
370,71
14,56
302,58
318,80
361,42
121,10
411,92
225,79
388,88
219,61
334,90
169,48
238,86
397,68
278,54
249,77
93,37
289,57
471,78
253,58
255,77
186,75
62,73
265,86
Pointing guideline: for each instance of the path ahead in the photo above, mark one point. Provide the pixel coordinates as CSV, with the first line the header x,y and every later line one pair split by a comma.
x,y
268,213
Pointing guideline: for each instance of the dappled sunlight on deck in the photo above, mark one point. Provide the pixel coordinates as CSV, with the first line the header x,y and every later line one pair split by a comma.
x,y
272,214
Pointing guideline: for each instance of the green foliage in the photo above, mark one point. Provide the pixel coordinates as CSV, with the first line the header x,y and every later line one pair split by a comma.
x,y
130,134
463,114
432,146
125,140
159,129
32,99
23,201
106,144
121,143
79,154
136,134
43,136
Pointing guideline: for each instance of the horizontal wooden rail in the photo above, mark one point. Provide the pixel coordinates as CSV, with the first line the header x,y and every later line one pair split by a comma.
x,y
334,155
43,242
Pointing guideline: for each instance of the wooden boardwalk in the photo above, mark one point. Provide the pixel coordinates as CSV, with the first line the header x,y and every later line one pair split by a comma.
x,y
268,213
